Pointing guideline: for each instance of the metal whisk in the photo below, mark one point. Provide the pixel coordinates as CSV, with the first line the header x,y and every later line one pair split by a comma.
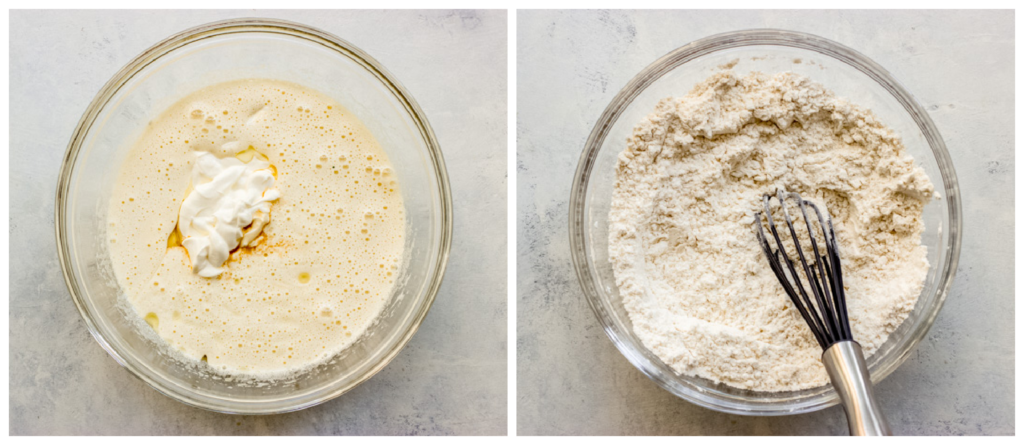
x,y
826,314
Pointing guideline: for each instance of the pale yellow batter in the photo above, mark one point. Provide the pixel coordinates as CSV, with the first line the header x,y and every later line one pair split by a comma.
x,y
326,263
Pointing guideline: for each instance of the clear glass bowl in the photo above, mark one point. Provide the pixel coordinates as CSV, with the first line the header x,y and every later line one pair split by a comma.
x,y
841,69
220,52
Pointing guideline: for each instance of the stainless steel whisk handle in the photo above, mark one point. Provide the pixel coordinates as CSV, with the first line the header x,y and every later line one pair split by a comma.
x,y
848,371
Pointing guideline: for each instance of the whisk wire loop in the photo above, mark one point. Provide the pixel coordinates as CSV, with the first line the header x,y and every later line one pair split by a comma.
x,y
826,315
775,261
816,277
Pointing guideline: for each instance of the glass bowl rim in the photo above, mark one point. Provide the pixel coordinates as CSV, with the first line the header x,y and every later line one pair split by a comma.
x,y
256,26
736,39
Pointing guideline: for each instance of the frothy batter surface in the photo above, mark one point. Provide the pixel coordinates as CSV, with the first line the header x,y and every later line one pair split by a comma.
x,y
328,259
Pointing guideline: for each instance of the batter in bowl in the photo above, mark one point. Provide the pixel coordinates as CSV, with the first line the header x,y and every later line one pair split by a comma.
x,y
698,290
258,226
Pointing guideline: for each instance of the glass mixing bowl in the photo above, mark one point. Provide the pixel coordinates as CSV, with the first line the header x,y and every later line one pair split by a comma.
x,y
841,69
220,52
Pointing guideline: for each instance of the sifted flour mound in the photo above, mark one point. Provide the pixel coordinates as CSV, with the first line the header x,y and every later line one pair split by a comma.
x,y
689,269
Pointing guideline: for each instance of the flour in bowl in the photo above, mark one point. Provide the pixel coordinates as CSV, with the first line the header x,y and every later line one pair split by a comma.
x,y
690,272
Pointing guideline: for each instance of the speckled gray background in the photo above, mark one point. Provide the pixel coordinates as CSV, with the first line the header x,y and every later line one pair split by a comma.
x,y
959,64
450,379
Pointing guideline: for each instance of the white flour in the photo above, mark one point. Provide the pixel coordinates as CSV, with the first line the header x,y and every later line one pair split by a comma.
x,y
690,272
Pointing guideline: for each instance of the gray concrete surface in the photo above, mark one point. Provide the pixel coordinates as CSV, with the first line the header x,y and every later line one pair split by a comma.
x,y
450,379
959,64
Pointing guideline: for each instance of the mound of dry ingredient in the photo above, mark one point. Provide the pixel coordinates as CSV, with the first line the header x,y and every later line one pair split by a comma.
x,y
696,285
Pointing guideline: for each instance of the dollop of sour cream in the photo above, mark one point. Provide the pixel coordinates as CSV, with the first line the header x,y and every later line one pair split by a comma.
x,y
227,197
